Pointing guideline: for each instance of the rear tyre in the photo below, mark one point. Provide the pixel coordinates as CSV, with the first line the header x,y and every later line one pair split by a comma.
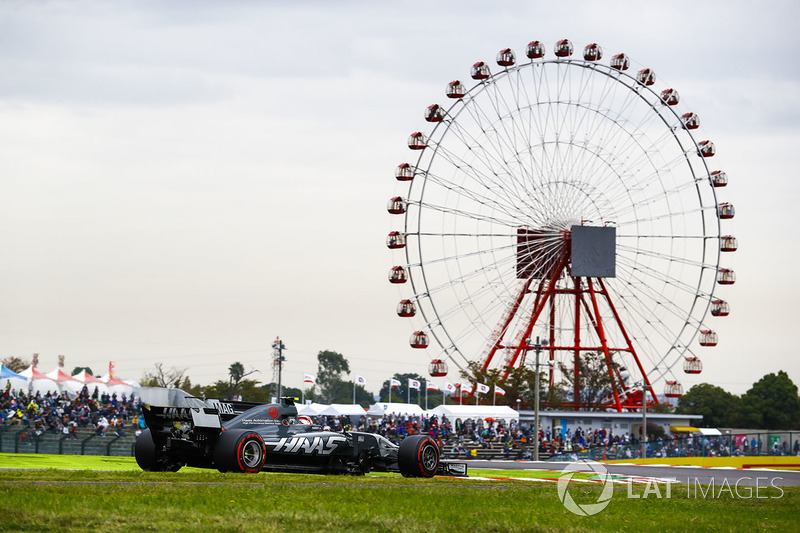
x,y
418,457
149,456
240,451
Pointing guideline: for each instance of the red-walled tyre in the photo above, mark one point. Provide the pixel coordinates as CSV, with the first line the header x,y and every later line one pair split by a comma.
x,y
239,451
418,456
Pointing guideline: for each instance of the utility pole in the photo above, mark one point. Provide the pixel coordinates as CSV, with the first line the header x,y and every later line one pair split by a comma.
x,y
644,388
278,359
644,420
537,347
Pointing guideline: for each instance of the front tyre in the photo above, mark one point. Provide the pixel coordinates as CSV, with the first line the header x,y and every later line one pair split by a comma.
x,y
240,451
418,457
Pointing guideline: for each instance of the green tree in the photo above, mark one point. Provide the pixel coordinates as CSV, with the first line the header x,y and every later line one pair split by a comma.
x,y
78,369
236,374
330,367
519,383
399,394
772,403
595,384
249,389
717,406
288,392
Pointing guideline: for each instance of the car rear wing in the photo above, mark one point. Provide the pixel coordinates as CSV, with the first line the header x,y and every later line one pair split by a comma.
x,y
199,413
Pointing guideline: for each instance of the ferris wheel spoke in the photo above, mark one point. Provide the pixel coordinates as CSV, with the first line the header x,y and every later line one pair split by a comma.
x,y
647,276
505,148
488,183
500,204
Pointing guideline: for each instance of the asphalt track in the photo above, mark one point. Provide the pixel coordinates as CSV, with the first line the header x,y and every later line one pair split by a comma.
x,y
691,476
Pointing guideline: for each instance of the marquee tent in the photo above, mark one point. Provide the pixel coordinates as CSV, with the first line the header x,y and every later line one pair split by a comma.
x,y
91,383
38,382
311,409
346,409
12,380
452,412
6,372
66,383
408,409
117,385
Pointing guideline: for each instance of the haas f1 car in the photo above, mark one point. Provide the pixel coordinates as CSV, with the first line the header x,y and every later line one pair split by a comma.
x,y
247,437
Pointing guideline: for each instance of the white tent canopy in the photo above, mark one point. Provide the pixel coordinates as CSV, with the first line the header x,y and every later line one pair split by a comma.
x,y
66,382
452,412
408,409
38,382
91,382
346,409
311,409
116,385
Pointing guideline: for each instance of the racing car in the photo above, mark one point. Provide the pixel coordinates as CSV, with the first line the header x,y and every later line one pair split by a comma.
x,y
236,436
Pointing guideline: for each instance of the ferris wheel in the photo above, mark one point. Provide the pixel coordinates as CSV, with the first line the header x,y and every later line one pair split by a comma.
x,y
567,199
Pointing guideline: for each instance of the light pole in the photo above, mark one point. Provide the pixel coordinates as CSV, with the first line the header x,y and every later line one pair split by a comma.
x,y
278,348
643,386
537,347
644,420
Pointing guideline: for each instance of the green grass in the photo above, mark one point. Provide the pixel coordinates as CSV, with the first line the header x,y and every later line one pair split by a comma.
x,y
112,494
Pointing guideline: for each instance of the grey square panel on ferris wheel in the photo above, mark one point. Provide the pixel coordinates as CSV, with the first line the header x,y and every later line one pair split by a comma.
x,y
594,251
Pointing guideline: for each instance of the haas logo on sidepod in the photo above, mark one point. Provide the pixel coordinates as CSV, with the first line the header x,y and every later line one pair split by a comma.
x,y
306,445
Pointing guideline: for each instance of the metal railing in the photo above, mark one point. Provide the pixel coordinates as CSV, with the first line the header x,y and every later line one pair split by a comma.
x,y
20,439
744,444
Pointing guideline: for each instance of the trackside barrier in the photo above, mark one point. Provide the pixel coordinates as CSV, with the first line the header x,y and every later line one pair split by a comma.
x,y
17,439
742,444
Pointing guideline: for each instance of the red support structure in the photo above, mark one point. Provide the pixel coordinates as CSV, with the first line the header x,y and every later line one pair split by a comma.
x,y
589,296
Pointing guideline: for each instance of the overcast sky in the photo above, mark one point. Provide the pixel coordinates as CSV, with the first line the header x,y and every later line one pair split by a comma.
x,y
184,181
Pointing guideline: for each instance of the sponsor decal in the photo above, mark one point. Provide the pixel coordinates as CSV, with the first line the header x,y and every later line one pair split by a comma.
x,y
177,413
260,421
305,445
273,412
225,408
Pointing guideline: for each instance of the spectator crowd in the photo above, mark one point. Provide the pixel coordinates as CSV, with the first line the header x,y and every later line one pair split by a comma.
x,y
104,414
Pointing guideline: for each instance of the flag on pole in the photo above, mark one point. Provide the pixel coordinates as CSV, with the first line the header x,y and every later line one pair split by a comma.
x,y
308,378
431,386
393,383
449,387
466,388
483,389
413,384
360,380
500,391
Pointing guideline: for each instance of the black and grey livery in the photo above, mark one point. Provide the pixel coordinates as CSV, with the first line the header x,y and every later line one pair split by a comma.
x,y
248,437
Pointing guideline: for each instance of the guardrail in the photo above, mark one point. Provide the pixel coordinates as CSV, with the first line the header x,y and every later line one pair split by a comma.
x,y
743,444
18,439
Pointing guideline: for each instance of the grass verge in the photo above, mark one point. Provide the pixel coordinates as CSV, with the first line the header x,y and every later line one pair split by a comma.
x,y
201,500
